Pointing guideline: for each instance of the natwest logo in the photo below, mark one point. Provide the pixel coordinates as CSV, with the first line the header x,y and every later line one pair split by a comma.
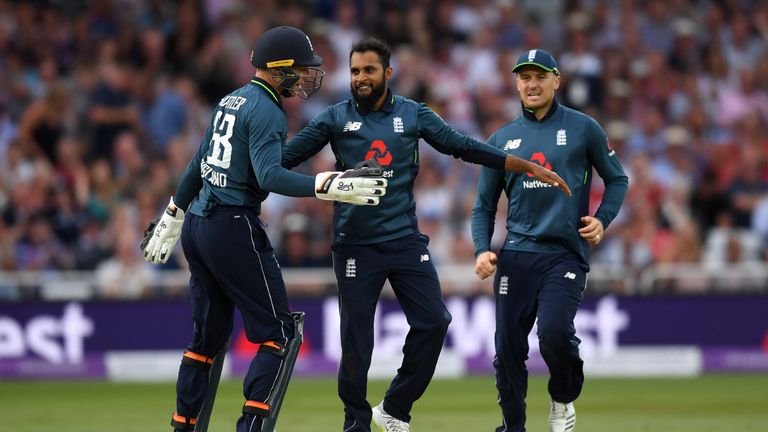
x,y
379,152
57,340
472,330
540,159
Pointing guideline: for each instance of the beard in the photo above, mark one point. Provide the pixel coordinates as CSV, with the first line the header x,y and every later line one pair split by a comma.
x,y
367,102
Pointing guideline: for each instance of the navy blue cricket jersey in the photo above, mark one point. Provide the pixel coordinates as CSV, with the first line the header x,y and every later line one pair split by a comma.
x,y
540,218
391,136
238,162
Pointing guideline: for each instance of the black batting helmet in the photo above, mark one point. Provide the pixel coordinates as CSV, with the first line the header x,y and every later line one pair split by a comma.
x,y
279,46
281,49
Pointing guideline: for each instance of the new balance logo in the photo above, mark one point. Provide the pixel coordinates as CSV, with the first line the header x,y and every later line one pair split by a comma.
x,y
503,285
570,275
397,124
512,144
424,258
351,269
560,139
352,126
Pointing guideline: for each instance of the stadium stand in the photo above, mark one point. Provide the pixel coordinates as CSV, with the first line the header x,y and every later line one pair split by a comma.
x,y
103,102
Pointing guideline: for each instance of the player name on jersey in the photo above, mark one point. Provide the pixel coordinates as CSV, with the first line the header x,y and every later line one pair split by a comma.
x,y
215,178
232,102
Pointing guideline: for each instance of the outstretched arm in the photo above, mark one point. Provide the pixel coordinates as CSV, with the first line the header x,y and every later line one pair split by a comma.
x,y
517,165
309,141
447,140
353,187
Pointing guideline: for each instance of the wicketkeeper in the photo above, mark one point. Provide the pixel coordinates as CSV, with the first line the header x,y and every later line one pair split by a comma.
x,y
230,257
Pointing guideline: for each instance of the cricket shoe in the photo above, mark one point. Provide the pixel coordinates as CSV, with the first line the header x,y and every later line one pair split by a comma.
x,y
387,423
562,417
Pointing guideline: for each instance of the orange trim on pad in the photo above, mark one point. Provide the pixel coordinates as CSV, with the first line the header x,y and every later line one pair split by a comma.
x,y
182,419
198,357
255,404
272,344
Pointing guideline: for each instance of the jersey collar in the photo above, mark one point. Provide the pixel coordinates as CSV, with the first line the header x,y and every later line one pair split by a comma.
x,y
530,116
388,106
258,82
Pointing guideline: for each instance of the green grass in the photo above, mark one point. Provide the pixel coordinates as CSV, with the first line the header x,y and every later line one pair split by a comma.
x,y
709,403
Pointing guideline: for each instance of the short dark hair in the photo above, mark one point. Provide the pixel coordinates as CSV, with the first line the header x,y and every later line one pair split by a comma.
x,y
375,45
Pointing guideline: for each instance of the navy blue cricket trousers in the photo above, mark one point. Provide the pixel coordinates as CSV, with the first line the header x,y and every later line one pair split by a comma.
x,y
527,286
232,264
361,271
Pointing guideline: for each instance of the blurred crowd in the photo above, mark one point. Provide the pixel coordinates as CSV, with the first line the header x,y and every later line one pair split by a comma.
x,y
103,103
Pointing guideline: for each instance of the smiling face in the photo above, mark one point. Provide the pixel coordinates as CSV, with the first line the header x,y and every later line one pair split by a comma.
x,y
368,79
537,88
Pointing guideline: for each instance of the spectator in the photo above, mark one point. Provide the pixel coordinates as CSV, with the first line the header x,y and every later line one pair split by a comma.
x,y
295,244
44,123
746,190
113,109
100,106
125,275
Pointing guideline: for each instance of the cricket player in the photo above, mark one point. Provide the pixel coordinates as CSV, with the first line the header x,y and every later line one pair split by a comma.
x,y
372,245
543,264
230,257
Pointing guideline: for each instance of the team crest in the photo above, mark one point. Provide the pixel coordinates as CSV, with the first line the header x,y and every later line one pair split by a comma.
x,y
560,139
397,124
350,270
503,285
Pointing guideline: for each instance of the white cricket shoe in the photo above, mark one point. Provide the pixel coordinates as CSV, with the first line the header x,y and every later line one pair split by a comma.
x,y
387,423
562,417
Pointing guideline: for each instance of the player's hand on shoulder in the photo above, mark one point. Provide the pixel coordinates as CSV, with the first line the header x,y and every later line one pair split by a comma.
x,y
362,185
549,177
161,235
485,264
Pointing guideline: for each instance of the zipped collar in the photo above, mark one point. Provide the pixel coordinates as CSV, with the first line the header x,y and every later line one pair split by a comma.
x,y
530,116
388,106
258,82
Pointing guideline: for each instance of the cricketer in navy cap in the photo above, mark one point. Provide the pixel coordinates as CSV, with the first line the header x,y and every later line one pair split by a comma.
x,y
537,57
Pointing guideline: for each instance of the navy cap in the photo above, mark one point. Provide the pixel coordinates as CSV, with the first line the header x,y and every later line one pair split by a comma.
x,y
537,57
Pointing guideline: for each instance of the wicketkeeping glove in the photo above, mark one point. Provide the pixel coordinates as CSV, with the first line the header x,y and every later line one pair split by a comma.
x,y
362,185
161,235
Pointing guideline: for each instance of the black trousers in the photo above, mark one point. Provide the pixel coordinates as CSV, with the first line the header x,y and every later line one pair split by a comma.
x,y
548,287
232,264
361,271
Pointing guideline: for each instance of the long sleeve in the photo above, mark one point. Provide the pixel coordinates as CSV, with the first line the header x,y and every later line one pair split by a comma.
x,y
606,162
447,140
265,144
191,182
489,189
309,141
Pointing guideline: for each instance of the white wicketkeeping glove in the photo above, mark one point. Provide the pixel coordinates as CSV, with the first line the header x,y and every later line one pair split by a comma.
x,y
161,236
362,185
